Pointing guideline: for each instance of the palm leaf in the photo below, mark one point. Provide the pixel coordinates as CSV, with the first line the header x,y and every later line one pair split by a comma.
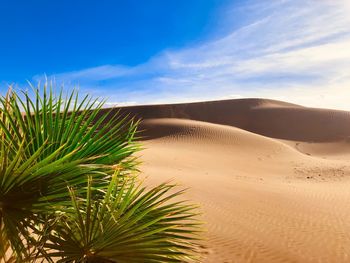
x,y
54,144
129,224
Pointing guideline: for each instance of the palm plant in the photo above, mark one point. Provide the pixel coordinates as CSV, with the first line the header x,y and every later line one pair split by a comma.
x,y
68,191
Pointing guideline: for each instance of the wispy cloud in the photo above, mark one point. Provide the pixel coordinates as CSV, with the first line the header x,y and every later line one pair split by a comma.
x,y
292,50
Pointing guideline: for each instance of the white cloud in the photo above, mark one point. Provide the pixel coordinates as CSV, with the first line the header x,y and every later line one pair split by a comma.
x,y
92,74
293,50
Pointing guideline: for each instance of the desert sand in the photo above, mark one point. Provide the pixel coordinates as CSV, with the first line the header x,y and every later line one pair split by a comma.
x,y
272,178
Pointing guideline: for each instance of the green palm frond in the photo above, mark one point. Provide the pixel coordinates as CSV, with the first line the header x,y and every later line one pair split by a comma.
x,y
72,122
129,224
47,144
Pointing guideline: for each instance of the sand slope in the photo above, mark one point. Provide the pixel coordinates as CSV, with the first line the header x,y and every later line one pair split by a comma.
x,y
272,178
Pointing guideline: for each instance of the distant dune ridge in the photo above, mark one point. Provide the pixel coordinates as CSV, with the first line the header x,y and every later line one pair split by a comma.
x,y
272,178
271,118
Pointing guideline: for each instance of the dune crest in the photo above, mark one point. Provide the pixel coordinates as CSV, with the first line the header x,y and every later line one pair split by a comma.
x,y
271,118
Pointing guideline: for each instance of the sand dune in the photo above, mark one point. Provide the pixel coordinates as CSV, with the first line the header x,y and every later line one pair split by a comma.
x,y
272,178
266,117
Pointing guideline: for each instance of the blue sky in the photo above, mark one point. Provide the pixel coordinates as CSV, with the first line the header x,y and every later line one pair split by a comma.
x,y
156,51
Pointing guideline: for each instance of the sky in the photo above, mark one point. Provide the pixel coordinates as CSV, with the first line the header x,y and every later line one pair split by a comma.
x,y
155,51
